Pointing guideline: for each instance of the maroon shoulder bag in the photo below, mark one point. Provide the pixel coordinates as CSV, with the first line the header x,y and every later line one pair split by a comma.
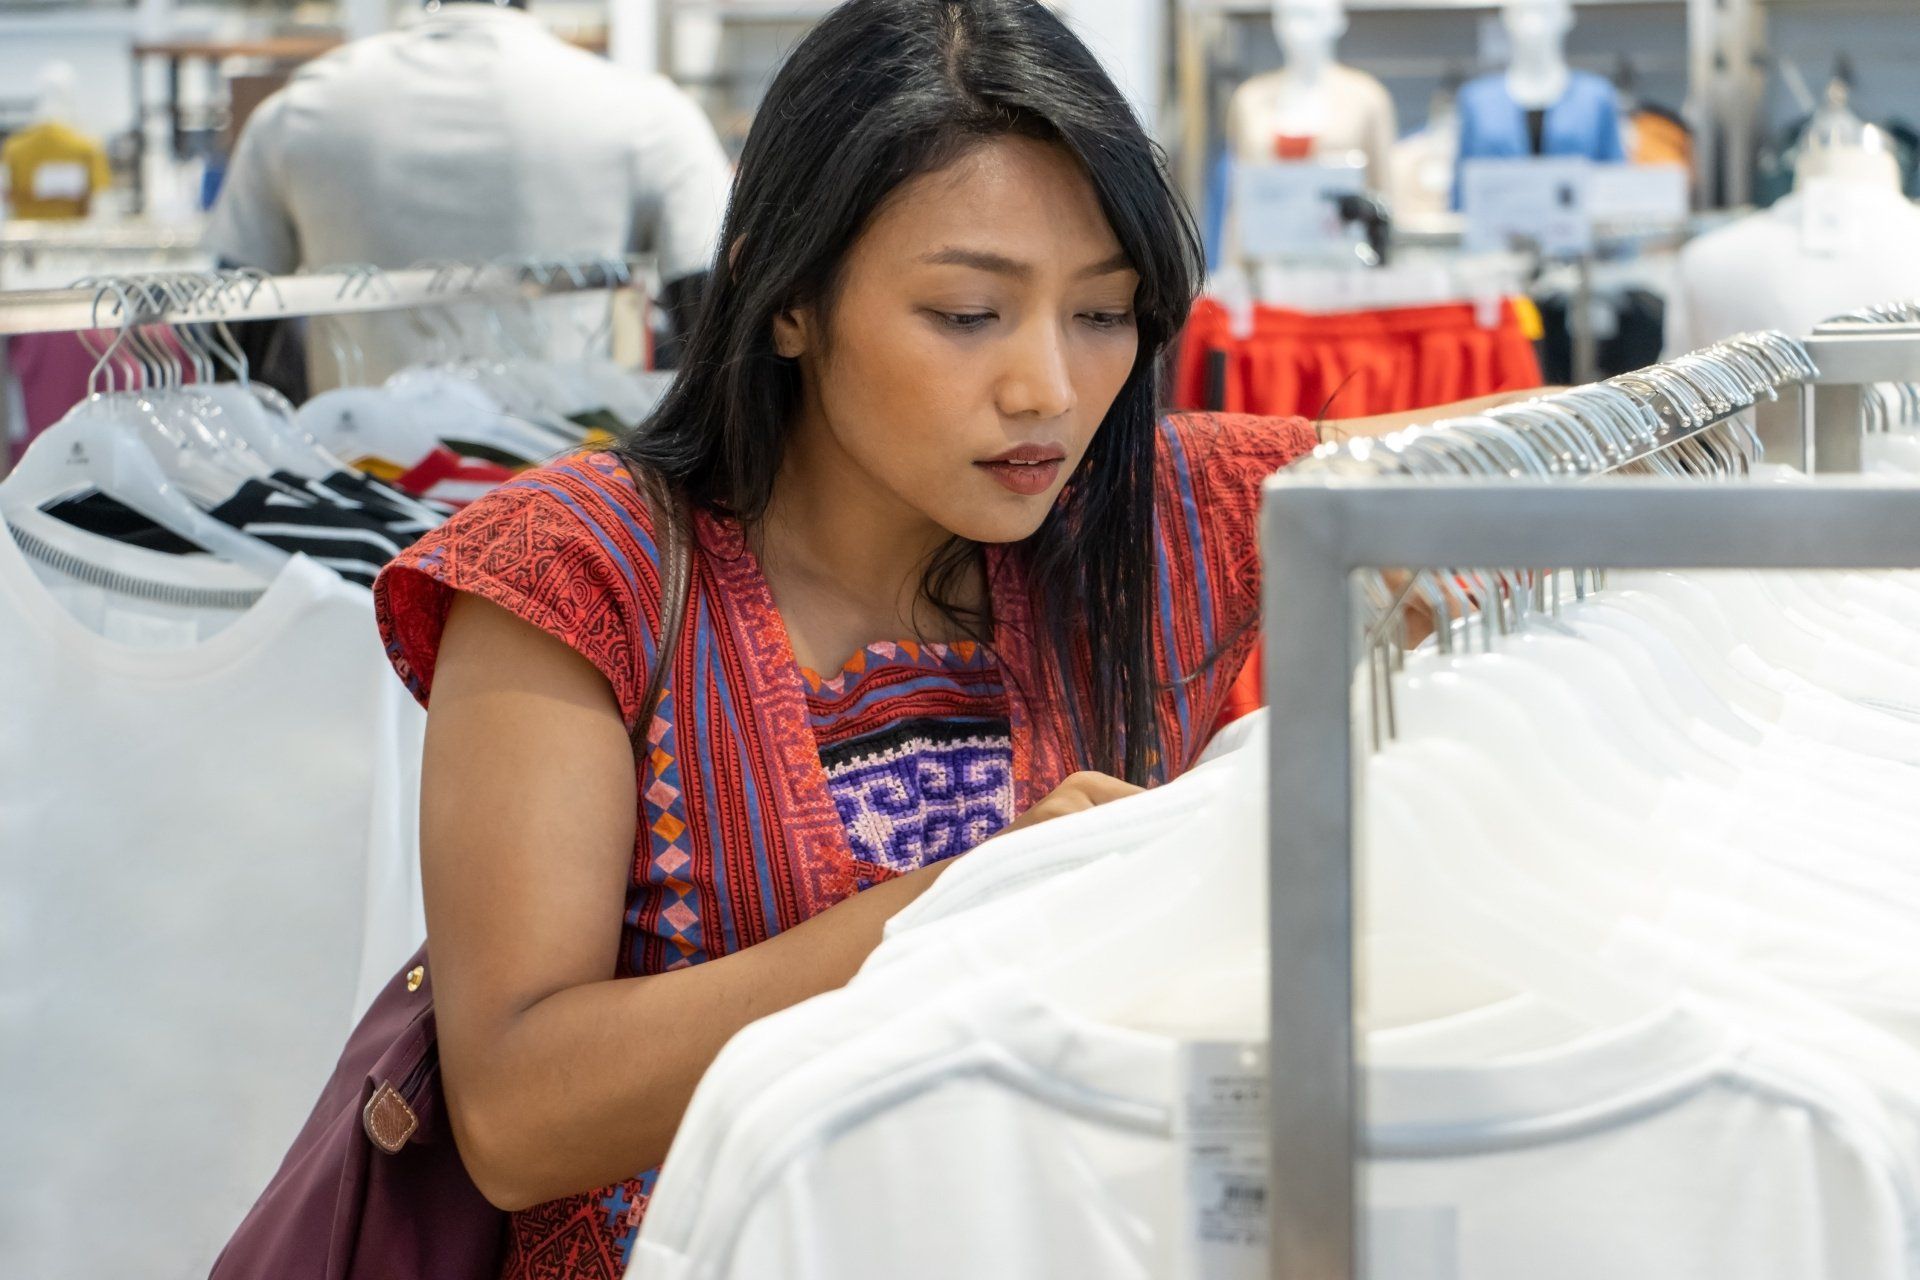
x,y
373,1188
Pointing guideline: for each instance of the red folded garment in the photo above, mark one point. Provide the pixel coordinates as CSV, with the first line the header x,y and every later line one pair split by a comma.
x,y
1352,364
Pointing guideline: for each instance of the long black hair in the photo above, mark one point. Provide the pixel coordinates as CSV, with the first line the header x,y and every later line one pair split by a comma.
x,y
880,92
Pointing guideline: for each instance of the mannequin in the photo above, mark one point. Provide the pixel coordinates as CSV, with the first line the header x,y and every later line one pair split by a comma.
x,y
1537,30
1840,147
1313,107
1540,106
54,171
1847,237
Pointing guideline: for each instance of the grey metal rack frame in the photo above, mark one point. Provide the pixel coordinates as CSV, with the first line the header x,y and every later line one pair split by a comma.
x,y
1821,429
1317,533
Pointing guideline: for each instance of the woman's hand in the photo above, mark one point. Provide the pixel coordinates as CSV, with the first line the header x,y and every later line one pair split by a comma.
x,y
1081,791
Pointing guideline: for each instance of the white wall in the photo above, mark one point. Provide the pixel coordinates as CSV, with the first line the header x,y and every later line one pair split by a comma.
x,y
96,44
1130,37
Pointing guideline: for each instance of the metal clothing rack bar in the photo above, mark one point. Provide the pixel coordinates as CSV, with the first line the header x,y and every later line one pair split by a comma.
x,y
345,292
1317,532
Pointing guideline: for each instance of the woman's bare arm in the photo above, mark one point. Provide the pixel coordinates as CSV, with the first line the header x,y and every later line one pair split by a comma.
x,y
1387,423
560,1078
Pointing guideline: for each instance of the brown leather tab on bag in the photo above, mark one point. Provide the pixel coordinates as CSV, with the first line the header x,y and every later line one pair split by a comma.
x,y
388,1120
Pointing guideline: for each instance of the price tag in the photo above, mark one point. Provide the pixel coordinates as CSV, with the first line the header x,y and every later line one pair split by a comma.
x,y
1534,202
1293,210
1223,1142
61,180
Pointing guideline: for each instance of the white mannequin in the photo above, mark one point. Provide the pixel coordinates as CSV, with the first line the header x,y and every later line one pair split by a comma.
x,y
1308,31
1846,238
1840,147
1332,109
1538,75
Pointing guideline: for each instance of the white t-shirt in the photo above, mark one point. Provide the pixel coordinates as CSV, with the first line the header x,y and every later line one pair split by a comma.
x,y
1010,1138
208,862
1815,254
472,134
1008,1134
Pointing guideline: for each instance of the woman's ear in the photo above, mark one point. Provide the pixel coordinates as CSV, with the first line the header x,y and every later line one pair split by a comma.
x,y
793,333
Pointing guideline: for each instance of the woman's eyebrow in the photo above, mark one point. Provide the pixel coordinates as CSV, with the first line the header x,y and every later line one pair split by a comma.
x,y
1001,265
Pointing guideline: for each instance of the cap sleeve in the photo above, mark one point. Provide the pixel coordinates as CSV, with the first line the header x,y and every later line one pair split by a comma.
x,y
568,548
1215,465
1212,468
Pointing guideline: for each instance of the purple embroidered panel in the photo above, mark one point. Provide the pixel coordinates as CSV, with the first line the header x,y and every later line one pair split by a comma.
x,y
923,790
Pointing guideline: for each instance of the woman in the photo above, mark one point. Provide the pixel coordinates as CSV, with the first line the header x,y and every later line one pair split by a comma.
x,y
949,574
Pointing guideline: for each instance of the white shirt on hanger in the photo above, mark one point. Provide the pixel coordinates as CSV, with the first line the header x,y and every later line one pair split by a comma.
x,y
208,862
1015,1137
471,134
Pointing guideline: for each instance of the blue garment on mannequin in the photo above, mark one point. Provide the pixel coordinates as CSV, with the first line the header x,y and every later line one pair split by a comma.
x,y
1584,122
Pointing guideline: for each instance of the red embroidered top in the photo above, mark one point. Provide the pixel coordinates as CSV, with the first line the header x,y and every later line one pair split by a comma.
x,y
745,828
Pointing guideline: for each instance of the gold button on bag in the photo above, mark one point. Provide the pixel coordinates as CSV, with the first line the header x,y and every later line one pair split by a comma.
x,y
415,977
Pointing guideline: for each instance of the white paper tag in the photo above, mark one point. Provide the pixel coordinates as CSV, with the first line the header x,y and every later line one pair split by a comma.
x,y
61,180
1638,194
1826,227
1534,203
1293,210
1223,1142
1413,1243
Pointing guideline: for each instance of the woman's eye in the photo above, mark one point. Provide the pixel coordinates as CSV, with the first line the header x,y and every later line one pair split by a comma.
x,y
965,321
1105,320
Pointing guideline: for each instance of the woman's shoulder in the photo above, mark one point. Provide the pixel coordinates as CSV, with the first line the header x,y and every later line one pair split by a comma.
x,y
1211,457
568,547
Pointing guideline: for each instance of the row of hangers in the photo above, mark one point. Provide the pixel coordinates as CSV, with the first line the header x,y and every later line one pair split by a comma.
x,y
1686,418
162,437
1585,703
490,382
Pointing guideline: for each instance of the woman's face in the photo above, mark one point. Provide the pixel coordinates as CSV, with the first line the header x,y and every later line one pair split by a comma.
x,y
982,328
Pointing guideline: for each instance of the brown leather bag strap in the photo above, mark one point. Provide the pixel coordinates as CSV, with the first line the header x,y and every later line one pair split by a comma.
x,y
673,536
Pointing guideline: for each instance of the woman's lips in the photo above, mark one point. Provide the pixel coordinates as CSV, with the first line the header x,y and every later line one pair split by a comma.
x,y
1028,479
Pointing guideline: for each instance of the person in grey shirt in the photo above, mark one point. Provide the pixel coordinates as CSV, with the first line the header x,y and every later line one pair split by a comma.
x,y
470,134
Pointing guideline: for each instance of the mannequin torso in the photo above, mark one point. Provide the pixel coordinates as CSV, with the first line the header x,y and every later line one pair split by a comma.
x,y
1312,108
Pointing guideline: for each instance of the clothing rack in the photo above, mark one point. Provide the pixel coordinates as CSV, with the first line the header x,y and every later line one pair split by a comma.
x,y
1317,532
202,297
343,291
1352,507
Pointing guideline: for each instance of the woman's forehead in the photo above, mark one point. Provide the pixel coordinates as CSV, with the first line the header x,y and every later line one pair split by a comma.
x,y
1004,195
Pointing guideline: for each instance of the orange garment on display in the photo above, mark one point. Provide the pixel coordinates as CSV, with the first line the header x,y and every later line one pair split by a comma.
x,y
1661,139
1352,364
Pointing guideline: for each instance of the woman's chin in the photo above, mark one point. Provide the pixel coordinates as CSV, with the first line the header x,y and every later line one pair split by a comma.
x,y
1001,518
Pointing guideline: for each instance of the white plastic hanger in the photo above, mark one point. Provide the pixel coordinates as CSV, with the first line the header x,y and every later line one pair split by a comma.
x,y
97,452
